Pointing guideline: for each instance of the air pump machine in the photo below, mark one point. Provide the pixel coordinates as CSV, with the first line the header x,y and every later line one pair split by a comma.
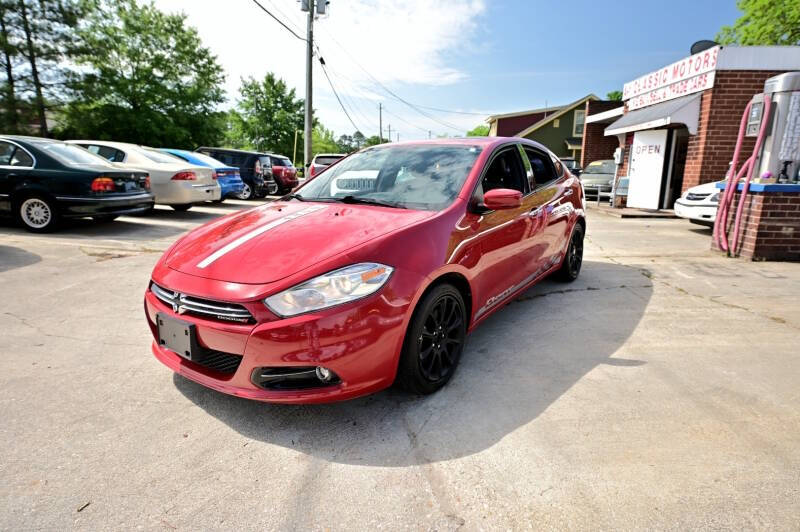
x,y
773,118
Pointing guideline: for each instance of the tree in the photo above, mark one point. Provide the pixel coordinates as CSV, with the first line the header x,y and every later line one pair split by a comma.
x,y
615,96
358,140
47,30
10,53
270,113
764,22
373,140
149,80
479,131
323,141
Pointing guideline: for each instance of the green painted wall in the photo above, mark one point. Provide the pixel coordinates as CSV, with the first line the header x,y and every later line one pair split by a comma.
x,y
554,137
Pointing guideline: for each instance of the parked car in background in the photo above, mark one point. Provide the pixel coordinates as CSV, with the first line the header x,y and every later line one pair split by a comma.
x,y
699,204
255,170
572,165
598,176
228,178
325,296
174,182
43,181
284,172
321,161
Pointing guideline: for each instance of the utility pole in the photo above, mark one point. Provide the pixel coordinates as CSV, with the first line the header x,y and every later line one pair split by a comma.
x,y
429,134
380,122
309,86
398,137
389,136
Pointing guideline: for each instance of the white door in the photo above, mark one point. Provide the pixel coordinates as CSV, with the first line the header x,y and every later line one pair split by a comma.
x,y
646,168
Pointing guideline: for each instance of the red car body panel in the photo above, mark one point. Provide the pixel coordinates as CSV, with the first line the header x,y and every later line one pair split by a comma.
x,y
285,175
497,255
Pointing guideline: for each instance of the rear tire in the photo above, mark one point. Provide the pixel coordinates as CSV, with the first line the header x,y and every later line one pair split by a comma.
x,y
182,208
573,259
217,201
434,341
246,193
37,214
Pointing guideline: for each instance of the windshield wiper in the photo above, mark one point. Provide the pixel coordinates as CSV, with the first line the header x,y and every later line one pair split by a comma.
x,y
370,201
298,197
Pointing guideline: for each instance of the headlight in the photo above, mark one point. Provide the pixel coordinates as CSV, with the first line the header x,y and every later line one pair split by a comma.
x,y
333,288
715,198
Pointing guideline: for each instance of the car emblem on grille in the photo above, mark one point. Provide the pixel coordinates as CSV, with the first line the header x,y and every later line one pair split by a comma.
x,y
176,296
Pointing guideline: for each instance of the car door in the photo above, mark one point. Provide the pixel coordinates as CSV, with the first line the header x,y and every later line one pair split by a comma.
x,y
15,164
551,199
499,235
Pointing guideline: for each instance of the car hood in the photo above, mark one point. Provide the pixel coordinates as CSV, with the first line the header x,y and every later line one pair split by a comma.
x,y
271,242
594,179
705,188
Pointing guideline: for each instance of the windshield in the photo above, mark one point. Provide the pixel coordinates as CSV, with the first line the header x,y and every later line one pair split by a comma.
x,y
281,161
600,167
327,159
159,157
417,177
71,154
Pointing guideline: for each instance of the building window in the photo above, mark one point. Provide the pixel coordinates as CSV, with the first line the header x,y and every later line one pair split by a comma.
x,y
556,122
577,126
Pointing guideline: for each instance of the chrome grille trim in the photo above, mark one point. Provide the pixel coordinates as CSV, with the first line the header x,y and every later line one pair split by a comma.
x,y
183,304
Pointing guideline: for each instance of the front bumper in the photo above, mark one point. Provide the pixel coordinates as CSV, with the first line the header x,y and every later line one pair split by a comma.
x,y
359,341
592,190
82,206
695,211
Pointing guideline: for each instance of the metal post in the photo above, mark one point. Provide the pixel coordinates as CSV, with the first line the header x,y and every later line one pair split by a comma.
x,y
309,86
294,154
389,135
380,123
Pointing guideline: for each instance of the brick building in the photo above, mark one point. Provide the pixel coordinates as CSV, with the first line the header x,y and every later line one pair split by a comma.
x,y
679,124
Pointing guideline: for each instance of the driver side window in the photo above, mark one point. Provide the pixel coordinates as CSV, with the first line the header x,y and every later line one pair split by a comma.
x,y
505,171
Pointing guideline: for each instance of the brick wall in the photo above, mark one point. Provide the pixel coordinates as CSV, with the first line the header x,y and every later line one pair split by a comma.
x,y
595,145
770,226
721,109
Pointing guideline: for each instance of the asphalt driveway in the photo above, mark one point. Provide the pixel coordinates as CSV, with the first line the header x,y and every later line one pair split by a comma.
x,y
660,390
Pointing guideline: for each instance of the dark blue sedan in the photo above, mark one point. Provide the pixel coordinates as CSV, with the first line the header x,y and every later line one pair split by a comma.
x,y
227,176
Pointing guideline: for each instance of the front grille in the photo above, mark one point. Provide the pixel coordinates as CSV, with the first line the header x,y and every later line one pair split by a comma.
x,y
219,361
691,196
206,308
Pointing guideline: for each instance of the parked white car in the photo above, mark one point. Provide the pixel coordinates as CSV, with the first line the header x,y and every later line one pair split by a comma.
x,y
699,204
173,181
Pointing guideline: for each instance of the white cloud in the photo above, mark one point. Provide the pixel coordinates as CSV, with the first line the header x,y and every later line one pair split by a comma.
x,y
408,42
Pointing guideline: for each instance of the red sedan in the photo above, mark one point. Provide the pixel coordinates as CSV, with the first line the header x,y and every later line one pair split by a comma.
x,y
372,273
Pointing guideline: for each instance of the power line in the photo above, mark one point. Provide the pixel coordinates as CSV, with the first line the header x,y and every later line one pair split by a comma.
x,y
390,92
424,130
325,71
454,112
279,21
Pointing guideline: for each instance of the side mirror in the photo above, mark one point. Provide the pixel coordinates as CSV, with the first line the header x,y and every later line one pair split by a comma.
x,y
502,198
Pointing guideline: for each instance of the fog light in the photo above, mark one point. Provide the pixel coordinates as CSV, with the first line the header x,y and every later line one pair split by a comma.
x,y
324,374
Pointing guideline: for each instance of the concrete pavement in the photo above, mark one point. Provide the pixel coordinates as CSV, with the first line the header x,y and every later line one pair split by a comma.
x,y
660,390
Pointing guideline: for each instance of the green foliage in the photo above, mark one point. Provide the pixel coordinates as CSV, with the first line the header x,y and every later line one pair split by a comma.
x,y
37,44
373,140
614,96
351,143
764,22
150,80
323,141
269,113
479,131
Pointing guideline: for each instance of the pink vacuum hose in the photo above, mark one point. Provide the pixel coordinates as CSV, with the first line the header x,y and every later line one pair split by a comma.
x,y
720,225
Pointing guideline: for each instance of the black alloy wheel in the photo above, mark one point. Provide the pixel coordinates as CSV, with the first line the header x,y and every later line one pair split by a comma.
x,y
571,267
434,341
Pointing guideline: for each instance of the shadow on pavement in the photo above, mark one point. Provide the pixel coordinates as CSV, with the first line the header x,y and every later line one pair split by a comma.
x,y
12,258
516,364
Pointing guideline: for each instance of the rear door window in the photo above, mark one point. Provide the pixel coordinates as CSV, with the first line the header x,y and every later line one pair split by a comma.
x,y
21,158
542,166
106,152
6,151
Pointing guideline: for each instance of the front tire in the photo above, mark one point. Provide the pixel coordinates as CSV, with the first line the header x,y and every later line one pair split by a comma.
x,y
434,341
571,267
37,214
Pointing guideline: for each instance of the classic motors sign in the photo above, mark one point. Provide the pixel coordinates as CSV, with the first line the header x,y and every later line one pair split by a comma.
x,y
689,75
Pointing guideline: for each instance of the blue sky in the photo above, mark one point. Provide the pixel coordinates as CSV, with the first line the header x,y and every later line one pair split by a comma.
x,y
480,56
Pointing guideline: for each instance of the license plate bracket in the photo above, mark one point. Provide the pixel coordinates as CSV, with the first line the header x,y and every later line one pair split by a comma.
x,y
178,336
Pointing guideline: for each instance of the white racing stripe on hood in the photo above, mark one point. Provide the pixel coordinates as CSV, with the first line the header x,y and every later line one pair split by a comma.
x,y
255,232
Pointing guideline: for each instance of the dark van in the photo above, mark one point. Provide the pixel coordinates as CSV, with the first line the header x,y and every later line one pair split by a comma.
x,y
255,169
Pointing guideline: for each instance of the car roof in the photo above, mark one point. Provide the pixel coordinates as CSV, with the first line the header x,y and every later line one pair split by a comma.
x,y
233,150
330,155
